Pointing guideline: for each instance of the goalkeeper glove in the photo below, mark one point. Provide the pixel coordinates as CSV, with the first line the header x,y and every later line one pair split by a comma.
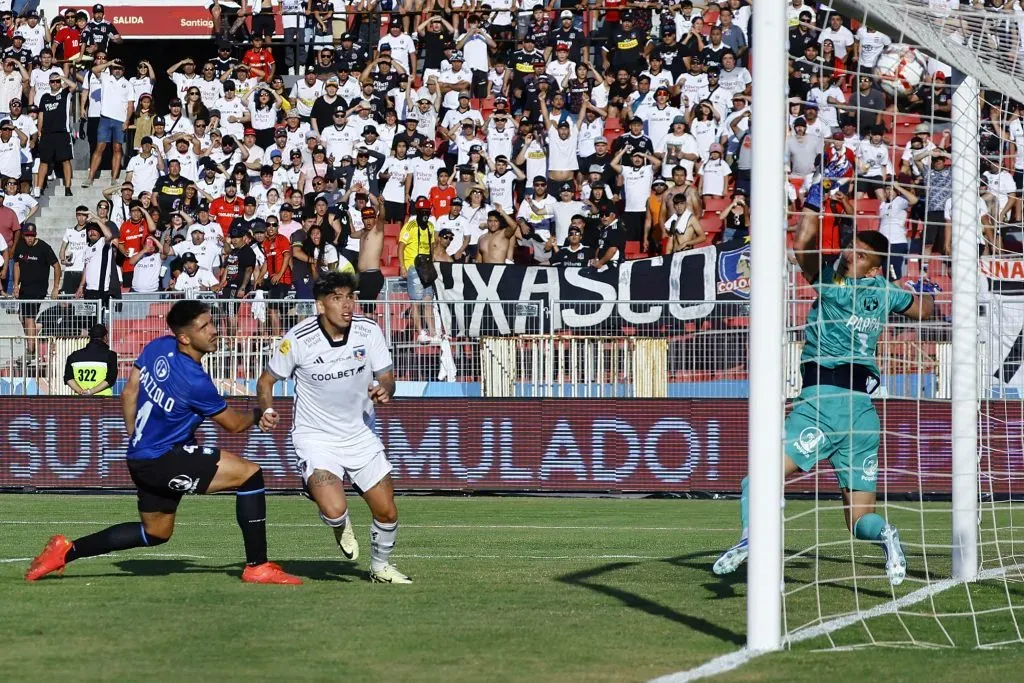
x,y
923,286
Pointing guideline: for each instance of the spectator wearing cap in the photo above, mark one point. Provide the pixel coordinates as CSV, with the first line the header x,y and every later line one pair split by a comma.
x,y
561,68
211,180
564,209
611,241
33,259
403,49
232,110
99,31
296,131
659,75
626,46
815,126
211,228
426,112
574,254
305,93
569,34
562,142
12,142
119,197
456,225
460,109
99,276
337,138
192,280
670,51
536,219
278,267
521,63
184,148
70,252
223,62
184,75
601,157
240,265
92,370
634,140
207,252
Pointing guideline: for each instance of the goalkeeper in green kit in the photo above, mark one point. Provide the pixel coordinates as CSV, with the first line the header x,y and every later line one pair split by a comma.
x,y
833,416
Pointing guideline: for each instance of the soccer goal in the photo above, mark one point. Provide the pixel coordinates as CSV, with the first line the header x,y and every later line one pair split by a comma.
x,y
928,115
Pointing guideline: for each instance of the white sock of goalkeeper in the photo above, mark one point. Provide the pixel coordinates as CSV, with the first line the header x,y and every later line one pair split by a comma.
x,y
382,542
337,525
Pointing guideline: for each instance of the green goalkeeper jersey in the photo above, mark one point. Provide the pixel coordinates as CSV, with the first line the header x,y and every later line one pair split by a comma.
x,y
847,318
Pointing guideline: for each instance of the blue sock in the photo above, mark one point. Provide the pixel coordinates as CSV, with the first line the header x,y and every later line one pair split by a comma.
x,y
745,505
869,527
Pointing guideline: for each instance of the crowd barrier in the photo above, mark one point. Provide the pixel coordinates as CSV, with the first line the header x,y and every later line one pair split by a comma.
x,y
499,349
685,445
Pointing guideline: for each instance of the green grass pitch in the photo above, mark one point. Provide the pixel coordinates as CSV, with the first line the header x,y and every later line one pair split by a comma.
x,y
507,589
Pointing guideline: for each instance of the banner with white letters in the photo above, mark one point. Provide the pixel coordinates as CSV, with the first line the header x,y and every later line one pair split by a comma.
x,y
694,283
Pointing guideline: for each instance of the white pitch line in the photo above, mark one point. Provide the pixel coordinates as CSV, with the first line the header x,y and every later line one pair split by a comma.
x,y
734,660
402,556
510,527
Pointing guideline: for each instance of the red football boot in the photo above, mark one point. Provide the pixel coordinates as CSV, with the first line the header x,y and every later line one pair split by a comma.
x,y
50,560
269,572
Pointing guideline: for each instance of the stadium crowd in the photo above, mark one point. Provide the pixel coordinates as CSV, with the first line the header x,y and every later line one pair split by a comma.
x,y
502,132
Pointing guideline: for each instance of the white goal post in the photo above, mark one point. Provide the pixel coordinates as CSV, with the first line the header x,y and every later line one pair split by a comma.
x,y
959,40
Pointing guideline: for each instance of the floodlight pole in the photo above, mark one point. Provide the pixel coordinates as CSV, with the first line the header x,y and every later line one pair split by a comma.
x,y
767,330
965,406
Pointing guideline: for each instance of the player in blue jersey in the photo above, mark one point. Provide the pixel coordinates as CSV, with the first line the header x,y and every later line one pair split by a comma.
x,y
167,397
833,417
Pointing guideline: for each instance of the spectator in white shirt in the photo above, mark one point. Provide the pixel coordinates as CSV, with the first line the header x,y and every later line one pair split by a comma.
x,y
841,37
117,104
869,47
403,49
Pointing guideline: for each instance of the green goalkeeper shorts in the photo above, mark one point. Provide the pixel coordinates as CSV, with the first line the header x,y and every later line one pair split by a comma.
x,y
838,424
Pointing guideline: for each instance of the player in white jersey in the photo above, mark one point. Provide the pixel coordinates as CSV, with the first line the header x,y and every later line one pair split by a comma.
x,y
342,368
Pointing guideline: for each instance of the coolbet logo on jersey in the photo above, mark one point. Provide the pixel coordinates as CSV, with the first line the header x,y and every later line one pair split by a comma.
x,y
285,347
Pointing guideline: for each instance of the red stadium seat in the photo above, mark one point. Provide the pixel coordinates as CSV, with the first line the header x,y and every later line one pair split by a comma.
x,y
715,204
711,223
389,271
392,230
634,250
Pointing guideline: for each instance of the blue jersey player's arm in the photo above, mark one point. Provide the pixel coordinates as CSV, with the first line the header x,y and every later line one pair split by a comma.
x,y
205,400
130,401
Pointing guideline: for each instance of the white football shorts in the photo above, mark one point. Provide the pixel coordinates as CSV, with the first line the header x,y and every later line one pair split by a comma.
x,y
363,473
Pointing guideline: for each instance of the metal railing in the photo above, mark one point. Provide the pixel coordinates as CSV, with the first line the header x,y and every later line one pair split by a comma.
x,y
492,348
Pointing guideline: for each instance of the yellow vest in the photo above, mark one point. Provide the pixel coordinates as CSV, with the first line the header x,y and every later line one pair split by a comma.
x,y
90,373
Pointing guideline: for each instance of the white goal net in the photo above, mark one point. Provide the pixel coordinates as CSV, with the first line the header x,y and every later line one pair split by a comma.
x,y
917,107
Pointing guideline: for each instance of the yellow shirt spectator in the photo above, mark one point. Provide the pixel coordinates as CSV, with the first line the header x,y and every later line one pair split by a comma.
x,y
414,240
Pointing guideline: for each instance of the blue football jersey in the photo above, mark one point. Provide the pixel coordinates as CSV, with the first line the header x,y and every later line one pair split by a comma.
x,y
175,396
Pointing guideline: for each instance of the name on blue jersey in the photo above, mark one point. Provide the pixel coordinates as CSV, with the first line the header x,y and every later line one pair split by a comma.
x,y
154,391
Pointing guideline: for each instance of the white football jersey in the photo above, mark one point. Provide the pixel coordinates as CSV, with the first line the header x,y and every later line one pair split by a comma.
x,y
331,383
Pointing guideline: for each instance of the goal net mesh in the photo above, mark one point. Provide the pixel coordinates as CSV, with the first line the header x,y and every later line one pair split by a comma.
x,y
888,108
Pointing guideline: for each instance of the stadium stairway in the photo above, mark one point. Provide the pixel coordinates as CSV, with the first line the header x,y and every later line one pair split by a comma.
x,y
57,212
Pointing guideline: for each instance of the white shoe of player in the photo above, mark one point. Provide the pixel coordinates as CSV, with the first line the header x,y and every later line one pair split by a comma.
x,y
732,558
348,543
388,574
895,560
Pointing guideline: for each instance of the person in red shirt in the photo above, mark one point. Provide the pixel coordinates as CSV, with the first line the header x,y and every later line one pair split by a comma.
x,y
441,195
835,212
69,37
227,208
278,251
259,59
134,232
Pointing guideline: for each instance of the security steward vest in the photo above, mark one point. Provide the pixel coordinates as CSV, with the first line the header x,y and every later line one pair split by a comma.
x,y
91,365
